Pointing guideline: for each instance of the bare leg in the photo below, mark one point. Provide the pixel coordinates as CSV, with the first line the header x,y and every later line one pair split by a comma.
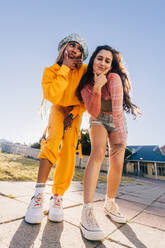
x,y
98,136
44,169
116,166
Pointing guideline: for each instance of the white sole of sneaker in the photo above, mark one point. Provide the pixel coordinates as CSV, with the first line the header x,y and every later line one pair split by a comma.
x,y
115,218
34,219
55,218
89,235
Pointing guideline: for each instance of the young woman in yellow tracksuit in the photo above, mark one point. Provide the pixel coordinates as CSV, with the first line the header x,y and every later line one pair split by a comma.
x,y
59,83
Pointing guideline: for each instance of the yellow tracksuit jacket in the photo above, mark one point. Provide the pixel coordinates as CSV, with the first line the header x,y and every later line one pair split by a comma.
x,y
59,85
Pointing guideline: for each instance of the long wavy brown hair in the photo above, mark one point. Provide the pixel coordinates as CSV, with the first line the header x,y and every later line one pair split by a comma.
x,y
117,67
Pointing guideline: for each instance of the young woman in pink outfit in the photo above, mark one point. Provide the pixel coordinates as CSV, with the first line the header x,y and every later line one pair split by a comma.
x,y
105,91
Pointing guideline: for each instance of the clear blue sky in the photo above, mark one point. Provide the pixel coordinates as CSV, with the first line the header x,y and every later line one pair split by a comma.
x,y
30,32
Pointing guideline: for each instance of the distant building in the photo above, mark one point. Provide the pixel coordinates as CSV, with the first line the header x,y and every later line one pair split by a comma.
x,y
147,161
14,148
20,149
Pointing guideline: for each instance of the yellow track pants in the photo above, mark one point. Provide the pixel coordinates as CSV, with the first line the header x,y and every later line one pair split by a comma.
x,y
60,148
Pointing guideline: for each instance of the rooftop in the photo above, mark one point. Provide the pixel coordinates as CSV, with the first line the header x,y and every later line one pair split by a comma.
x,y
146,153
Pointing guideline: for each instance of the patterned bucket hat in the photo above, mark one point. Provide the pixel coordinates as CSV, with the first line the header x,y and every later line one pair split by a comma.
x,y
77,38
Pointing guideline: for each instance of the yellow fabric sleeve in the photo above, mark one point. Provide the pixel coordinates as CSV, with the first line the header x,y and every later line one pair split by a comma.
x,y
54,83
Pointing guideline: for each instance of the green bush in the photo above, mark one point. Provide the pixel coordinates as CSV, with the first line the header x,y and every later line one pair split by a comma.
x,y
85,142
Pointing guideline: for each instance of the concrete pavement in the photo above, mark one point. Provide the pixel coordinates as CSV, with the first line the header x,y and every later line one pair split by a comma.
x,y
142,201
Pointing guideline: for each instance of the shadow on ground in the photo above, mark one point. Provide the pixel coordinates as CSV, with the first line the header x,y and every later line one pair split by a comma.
x,y
25,235
127,231
51,235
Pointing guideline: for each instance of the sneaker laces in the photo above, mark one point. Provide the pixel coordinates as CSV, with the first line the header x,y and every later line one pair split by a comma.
x,y
57,201
37,200
91,220
113,207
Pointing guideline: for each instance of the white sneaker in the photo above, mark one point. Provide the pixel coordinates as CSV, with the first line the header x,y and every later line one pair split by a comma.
x,y
89,226
34,212
112,210
56,213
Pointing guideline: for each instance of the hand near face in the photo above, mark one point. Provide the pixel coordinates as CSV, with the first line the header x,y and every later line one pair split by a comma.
x,y
71,61
99,81
78,62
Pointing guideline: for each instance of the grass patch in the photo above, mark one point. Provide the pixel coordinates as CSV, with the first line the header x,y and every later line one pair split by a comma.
x,y
17,168
127,179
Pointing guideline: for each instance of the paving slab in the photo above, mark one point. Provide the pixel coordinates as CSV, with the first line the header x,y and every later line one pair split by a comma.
x,y
130,209
11,209
20,189
126,204
162,198
66,202
146,195
75,186
110,244
16,188
155,211
146,201
133,235
101,188
143,188
73,215
19,234
159,204
151,220
78,196
142,201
